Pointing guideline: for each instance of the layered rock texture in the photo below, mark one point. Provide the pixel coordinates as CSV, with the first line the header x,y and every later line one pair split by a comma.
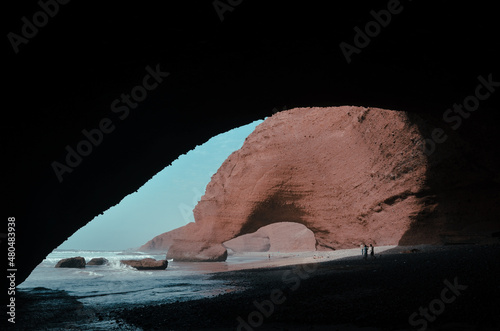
x,y
351,175
163,242
194,249
277,237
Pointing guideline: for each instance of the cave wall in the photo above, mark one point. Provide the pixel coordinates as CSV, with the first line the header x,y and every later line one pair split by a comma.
x,y
260,58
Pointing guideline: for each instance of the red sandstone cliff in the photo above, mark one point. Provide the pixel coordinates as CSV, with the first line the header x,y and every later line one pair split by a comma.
x,y
350,174
163,242
276,237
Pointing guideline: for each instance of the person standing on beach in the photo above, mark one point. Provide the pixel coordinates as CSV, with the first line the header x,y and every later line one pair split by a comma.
x,y
362,249
372,251
365,252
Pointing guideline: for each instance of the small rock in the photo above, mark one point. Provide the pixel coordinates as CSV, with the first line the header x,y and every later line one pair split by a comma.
x,y
98,261
72,262
147,264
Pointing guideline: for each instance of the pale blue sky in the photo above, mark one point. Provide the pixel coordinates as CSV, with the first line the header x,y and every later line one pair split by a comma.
x,y
163,203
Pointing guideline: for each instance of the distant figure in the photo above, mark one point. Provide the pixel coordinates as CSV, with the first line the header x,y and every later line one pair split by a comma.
x,y
269,256
365,252
362,248
372,251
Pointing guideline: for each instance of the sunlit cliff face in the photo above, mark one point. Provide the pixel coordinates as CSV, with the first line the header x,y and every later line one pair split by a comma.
x,y
350,174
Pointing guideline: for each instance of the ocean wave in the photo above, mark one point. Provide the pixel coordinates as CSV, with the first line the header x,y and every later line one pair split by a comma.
x,y
113,264
51,261
116,264
62,254
89,273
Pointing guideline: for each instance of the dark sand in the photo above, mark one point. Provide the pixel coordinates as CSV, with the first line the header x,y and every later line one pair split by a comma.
x,y
349,294
345,294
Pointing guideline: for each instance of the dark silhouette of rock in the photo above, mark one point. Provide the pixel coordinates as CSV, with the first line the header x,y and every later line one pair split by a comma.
x,y
147,264
72,262
98,261
297,64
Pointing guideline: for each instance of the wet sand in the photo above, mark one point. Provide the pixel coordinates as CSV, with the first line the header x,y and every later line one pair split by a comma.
x,y
279,259
349,294
313,291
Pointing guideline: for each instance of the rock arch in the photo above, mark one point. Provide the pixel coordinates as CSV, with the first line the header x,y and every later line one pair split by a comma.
x,y
279,206
350,174
223,76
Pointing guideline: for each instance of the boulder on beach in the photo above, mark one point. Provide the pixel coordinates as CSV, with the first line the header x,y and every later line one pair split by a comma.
x,y
72,262
147,264
276,237
196,251
98,261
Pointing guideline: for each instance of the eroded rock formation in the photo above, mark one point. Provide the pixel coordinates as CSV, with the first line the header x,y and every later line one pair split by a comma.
x,y
192,249
276,237
146,264
351,175
72,262
163,242
98,261
223,76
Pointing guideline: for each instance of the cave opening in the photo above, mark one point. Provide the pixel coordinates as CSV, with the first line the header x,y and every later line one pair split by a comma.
x,y
275,224
280,206
163,203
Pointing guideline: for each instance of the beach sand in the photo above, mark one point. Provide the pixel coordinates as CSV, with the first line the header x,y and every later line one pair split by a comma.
x,y
336,290
281,259
348,293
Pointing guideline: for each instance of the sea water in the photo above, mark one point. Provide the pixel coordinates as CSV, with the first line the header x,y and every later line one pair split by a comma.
x,y
118,284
